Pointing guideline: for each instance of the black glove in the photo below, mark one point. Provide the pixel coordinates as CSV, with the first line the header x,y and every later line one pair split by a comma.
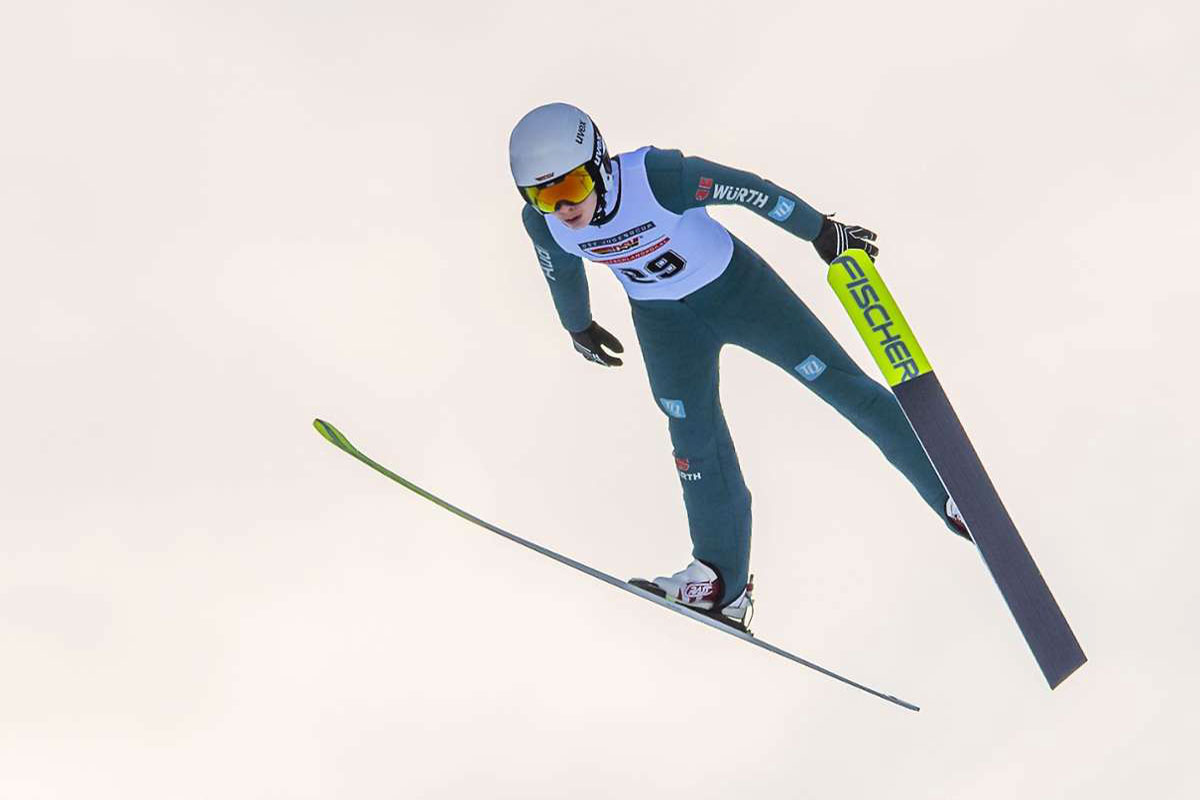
x,y
589,340
835,238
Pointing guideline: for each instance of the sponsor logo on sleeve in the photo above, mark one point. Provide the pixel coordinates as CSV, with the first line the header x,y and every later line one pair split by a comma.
x,y
810,368
704,188
547,264
783,209
740,194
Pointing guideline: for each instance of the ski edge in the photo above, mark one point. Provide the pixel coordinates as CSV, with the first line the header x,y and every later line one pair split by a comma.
x,y
339,440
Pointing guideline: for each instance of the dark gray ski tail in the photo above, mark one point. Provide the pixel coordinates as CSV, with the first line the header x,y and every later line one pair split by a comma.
x,y
1041,621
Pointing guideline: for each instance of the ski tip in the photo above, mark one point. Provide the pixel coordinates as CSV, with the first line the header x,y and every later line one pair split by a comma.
x,y
333,435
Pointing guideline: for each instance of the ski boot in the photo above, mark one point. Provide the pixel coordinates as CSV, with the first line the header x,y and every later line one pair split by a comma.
x,y
698,587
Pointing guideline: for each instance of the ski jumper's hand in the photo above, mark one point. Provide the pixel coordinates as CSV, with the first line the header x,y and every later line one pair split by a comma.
x,y
592,340
835,238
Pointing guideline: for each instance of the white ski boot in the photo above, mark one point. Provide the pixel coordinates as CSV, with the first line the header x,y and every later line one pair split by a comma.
x,y
699,586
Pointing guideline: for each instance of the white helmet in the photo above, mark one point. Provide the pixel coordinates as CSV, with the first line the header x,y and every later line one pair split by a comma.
x,y
551,141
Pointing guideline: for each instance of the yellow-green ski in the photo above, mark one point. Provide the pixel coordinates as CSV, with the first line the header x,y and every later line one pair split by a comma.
x,y
877,317
336,438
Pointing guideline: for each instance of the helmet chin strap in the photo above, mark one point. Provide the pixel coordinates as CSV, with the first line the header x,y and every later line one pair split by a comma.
x,y
603,212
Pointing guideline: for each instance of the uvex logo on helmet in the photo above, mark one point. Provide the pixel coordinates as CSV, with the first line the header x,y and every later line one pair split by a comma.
x,y
579,133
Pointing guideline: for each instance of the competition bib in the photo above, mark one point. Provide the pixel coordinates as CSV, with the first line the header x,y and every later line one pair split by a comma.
x,y
656,254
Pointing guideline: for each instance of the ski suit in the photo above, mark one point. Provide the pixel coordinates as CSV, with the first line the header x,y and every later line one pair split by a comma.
x,y
693,288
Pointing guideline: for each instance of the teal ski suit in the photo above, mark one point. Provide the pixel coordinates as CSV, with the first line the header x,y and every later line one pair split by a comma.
x,y
718,292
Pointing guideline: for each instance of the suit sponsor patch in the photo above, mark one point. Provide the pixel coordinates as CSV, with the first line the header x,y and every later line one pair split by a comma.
x,y
810,368
684,466
674,408
547,263
740,194
782,210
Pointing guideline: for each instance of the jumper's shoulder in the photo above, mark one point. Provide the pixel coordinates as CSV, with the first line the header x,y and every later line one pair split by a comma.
x,y
535,223
660,159
664,172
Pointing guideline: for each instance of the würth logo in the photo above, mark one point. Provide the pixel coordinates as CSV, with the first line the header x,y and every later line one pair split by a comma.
x,y
740,194
705,187
684,465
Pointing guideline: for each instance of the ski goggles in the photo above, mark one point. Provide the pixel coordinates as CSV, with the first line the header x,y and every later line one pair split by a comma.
x,y
572,188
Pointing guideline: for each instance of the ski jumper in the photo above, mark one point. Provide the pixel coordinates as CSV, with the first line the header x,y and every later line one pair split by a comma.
x,y
694,288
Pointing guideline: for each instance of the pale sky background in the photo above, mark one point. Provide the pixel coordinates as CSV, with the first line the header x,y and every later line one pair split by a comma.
x,y
222,219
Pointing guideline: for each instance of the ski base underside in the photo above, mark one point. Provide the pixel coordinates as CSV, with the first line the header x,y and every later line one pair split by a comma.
x,y
1034,608
907,370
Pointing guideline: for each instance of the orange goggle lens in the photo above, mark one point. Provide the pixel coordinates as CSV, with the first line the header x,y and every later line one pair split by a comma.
x,y
572,188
